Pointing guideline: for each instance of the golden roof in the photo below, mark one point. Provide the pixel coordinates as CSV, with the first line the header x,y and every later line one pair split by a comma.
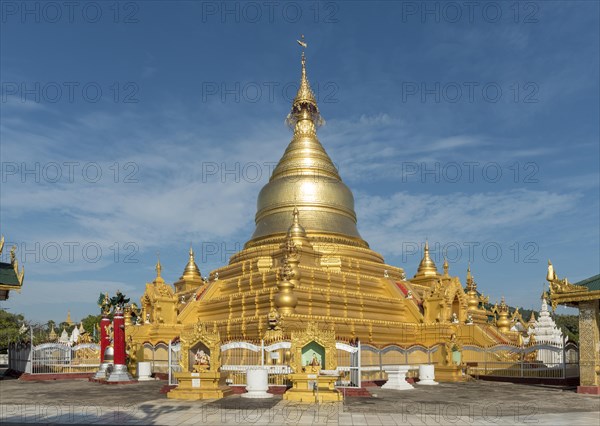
x,y
306,179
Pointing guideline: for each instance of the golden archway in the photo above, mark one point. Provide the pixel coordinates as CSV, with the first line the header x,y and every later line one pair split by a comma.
x,y
199,334
312,333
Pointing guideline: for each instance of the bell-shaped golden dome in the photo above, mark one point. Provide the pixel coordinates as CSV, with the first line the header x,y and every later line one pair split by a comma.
x,y
191,270
427,266
306,179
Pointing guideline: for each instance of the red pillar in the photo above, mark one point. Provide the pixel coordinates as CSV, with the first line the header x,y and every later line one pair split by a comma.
x,y
104,337
119,338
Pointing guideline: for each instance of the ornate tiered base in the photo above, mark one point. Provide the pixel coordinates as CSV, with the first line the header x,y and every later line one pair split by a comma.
x,y
312,388
450,373
120,374
203,385
397,378
102,372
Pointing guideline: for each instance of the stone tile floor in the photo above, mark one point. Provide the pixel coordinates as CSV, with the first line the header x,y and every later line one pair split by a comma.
x,y
474,403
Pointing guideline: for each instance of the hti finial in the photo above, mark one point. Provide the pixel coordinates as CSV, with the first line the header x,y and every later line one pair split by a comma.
x,y
158,265
302,43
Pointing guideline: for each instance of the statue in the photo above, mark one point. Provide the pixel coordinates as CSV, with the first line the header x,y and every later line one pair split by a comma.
x,y
147,318
201,361
135,313
104,303
108,328
454,318
409,294
119,301
274,319
386,274
469,319
315,361
452,346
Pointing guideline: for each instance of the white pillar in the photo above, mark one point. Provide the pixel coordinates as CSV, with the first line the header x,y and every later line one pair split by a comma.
x,y
144,371
427,375
257,383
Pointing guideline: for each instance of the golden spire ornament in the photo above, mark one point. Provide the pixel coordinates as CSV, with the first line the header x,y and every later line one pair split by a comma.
x,y
158,267
427,266
191,270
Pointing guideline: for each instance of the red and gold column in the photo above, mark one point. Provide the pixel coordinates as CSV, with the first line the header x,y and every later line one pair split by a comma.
x,y
105,360
119,372
104,336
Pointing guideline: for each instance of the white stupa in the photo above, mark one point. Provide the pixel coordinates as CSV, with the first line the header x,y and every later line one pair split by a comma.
x,y
546,332
74,336
64,337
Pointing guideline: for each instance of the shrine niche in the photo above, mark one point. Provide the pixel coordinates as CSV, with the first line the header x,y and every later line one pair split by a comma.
x,y
314,363
310,344
201,377
200,349
446,301
313,355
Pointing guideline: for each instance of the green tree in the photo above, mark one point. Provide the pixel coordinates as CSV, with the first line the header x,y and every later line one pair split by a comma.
x,y
90,322
9,328
569,324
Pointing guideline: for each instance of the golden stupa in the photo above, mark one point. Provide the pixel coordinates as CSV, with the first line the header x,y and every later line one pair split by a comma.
x,y
307,263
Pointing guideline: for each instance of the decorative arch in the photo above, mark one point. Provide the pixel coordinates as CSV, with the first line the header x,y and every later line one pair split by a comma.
x,y
456,301
304,338
199,336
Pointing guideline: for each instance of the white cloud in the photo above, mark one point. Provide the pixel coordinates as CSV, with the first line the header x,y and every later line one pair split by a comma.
x,y
388,221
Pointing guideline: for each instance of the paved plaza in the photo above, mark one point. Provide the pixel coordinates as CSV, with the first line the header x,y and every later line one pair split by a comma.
x,y
473,403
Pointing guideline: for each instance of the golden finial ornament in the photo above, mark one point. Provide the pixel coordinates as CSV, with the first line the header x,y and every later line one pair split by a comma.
x,y
551,275
446,268
158,267
191,271
296,230
304,105
427,267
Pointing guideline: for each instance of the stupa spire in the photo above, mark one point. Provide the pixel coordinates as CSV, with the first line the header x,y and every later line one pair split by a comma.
x,y
158,267
304,105
307,179
427,266
191,270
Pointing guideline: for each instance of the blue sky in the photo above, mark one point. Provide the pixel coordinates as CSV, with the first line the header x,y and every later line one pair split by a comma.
x,y
129,128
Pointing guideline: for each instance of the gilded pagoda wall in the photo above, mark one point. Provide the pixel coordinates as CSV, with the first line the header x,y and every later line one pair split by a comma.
x,y
589,342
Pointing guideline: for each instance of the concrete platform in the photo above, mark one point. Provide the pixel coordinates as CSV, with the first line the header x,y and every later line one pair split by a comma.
x,y
471,403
